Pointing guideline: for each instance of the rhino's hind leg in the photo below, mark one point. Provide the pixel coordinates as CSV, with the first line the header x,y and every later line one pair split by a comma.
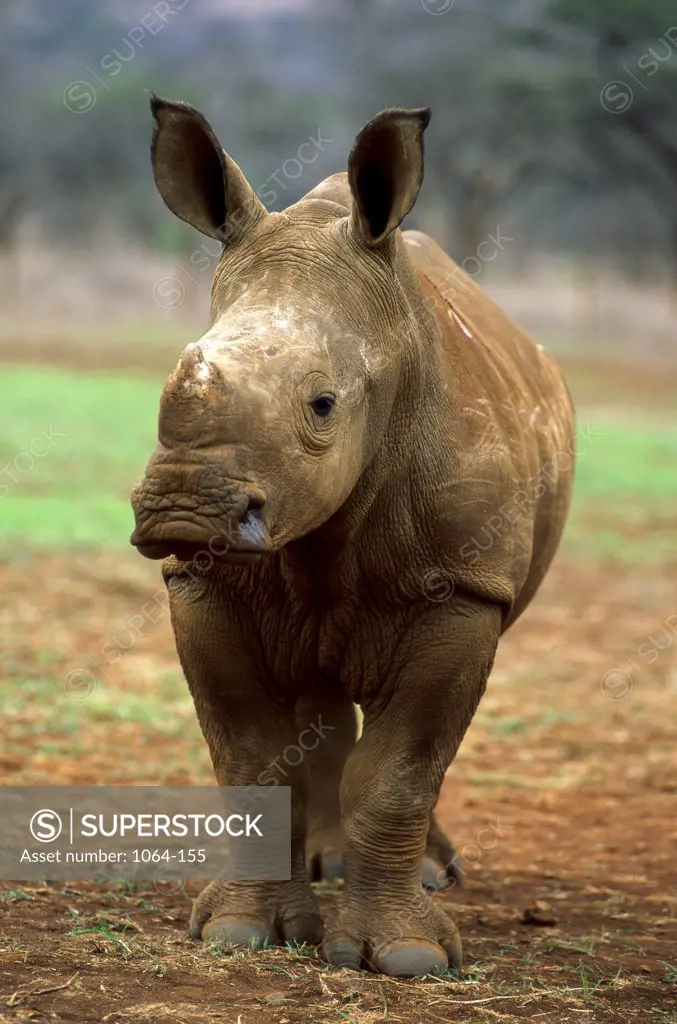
x,y
440,868
327,726
390,785
328,729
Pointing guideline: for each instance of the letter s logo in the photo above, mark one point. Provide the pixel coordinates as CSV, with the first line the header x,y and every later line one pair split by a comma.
x,y
46,826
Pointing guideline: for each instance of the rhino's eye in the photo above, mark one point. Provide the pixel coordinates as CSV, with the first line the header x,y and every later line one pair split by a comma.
x,y
323,404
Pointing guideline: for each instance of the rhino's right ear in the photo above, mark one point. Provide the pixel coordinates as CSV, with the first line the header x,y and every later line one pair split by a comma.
x,y
197,180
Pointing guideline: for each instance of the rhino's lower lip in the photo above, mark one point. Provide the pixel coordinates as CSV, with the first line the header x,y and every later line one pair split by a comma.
x,y
189,541
197,553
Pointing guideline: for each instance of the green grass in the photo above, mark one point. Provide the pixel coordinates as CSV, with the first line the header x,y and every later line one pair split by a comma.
x,y
15,895
38,721
624,460
77,494
626,479
105,704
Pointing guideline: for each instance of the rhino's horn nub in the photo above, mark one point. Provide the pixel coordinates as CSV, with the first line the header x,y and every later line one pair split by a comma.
x,y
191,399
194,368
191,358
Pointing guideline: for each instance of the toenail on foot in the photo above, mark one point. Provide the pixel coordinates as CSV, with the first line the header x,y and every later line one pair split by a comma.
x,y
235,931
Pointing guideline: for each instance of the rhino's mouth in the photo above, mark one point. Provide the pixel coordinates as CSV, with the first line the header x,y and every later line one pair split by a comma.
x,y
188,540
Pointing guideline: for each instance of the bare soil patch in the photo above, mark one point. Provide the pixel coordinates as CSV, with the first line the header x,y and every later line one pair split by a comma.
x,y
569,911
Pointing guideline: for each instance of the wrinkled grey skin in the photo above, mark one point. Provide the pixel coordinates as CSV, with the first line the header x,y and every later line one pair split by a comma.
x,y
358,486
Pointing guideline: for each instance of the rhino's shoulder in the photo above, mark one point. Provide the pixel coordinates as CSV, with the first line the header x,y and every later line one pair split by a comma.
x,y
429,257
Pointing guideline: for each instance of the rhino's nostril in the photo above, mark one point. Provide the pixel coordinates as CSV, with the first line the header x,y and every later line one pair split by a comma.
x,y
255,502
251,528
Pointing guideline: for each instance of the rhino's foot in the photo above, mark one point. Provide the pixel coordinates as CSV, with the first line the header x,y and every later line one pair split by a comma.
x,y
248,914
408,945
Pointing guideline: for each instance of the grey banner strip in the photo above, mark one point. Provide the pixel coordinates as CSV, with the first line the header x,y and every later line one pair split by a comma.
x,y
162,833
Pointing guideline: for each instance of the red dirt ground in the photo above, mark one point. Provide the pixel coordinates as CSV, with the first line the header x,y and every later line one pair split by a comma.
x,y
577,766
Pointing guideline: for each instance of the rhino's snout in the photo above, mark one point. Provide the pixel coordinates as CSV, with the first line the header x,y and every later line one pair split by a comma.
x,y
236,531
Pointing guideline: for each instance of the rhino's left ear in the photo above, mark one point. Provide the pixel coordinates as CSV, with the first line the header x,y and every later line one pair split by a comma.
x,y
385,171
198,181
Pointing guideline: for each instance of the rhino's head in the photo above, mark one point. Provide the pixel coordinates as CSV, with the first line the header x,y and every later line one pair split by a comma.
x,y
270,418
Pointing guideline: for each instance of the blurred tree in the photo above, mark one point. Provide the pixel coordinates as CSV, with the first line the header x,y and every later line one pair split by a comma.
x,y
619,76
495,103
520,135
15,165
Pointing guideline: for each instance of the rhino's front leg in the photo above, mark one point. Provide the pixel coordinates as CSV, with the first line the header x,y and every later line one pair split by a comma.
x,y
414,720
248,724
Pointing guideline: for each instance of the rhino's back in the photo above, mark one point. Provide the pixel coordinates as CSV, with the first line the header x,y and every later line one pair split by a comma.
x,y
468,300
516,420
